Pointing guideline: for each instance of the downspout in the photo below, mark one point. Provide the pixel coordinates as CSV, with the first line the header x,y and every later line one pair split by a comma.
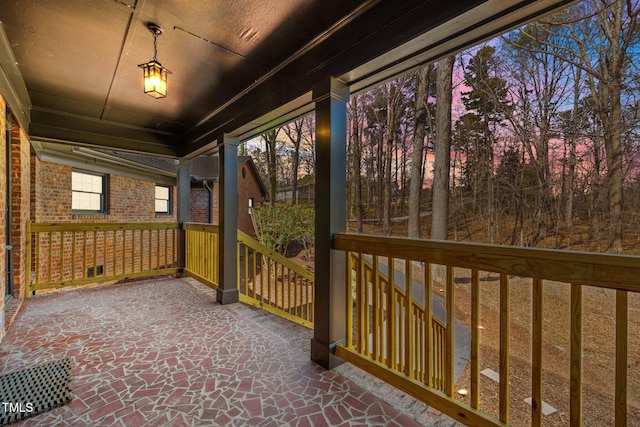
x,y
210,197
8,214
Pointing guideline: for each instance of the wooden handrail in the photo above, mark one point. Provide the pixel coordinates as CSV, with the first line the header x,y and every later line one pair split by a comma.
x,y
265,250
621,272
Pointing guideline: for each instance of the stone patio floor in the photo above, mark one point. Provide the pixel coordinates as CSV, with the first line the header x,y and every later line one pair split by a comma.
x,y
162,352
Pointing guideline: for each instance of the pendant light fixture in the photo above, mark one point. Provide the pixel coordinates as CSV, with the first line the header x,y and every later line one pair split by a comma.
x,y
154,74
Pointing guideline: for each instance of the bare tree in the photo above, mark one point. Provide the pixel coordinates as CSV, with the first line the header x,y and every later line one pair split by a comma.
x,y
423,77
441,166
355,150
597,38
394,95
270,139
294,132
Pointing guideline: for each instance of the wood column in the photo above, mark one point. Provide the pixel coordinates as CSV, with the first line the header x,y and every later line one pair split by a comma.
x,y
331,97
228,221
183,198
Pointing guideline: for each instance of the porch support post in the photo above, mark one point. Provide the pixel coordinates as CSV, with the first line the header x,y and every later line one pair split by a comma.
x,y
330,97
183,198
228,223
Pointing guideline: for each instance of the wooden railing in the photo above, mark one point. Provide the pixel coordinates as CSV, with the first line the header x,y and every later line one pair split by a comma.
x,y
201,252
380,304
268,280
67,254
392,343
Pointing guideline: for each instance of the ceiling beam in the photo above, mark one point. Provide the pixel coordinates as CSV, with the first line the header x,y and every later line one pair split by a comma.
x,y
90,132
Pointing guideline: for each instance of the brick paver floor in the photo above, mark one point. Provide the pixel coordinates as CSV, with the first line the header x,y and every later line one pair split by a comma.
x,y
162,352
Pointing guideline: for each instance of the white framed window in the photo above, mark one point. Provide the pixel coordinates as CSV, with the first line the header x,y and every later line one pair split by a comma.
x,y
163,199
88,192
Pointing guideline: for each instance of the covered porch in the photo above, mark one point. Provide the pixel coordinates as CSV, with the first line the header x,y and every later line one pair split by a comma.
x,y
227,365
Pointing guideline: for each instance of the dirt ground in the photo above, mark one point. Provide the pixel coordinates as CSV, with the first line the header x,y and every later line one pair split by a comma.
x,y
598,347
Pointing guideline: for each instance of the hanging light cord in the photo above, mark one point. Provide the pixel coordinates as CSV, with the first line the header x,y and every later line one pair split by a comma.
x,y
155,46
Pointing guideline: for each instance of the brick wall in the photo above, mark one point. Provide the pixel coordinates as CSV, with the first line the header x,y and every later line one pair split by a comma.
x,y
51,192
200,209
128,199
20,205
3,213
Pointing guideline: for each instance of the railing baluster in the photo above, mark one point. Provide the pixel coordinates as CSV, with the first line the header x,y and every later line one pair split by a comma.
x,y
408,323
290,287
85,252
277,274
124,251
475,339
349,298
428,309
61,266
50,272
376,318
621,358
297,303
37,258
114,256
536,353
393,343
358,299
575,405
449,336
149,253
254,282
504,348
262,273
73,255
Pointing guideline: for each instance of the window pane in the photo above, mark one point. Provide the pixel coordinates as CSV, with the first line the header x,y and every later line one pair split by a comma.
x,y
87,192
162,193
162,206
86,202
163,199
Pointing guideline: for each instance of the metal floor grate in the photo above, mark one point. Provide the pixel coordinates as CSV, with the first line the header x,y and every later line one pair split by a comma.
x,y
34,390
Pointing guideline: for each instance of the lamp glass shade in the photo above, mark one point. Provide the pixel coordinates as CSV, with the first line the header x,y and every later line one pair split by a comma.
x,y
155,79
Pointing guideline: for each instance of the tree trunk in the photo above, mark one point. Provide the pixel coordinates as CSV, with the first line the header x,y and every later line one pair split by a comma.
x,y
295,136
270,139
615,178
571,162
420,123
441,166
356,157
393,96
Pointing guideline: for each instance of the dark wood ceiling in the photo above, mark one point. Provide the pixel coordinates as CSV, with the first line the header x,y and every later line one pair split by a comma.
x,y
233,63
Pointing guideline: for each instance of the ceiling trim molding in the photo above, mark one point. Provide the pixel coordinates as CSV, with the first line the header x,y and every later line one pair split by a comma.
x,y
12,86
80,130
